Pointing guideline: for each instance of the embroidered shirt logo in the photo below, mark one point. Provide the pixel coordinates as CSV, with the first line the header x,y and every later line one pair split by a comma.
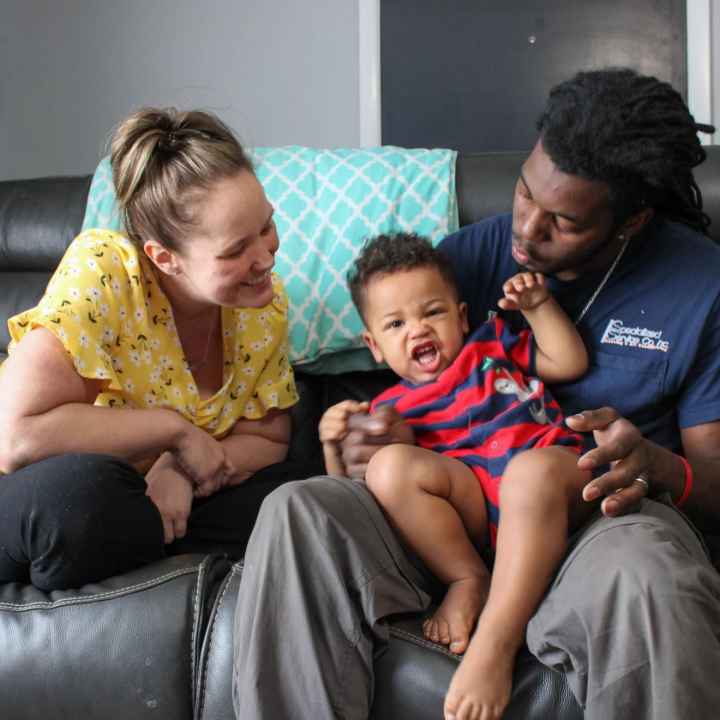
x,y
617,333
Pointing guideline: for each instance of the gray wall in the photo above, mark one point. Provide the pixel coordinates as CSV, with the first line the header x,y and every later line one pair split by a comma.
x,y
277,71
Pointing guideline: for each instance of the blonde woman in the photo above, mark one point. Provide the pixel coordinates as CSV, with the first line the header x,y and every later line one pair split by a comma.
x,y
151,382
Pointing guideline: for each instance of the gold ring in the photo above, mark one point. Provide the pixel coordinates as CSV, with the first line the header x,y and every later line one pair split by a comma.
x,y
644,482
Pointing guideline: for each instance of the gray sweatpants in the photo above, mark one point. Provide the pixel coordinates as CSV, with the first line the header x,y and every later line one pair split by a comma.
x,y
632,618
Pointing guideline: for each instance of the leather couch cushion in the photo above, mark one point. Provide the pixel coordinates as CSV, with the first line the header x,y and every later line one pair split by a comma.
x,y
123,648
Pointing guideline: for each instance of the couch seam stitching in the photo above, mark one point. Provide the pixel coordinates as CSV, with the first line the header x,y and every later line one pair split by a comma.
x,y
196,622
85,599
410,637
211,633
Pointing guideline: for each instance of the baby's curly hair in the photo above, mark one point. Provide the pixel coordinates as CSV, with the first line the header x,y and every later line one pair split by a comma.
x,y
388,254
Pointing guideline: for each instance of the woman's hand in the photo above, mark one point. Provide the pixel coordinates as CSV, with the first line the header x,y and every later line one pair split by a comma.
x,y
172,492
369,433
202,458
621,445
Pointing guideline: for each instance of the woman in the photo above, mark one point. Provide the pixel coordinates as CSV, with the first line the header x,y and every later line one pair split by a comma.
x,y
153,374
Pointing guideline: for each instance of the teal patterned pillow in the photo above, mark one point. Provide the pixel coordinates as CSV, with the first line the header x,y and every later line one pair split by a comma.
x,y
327,202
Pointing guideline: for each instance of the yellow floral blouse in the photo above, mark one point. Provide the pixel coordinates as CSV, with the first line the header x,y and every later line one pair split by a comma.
x,y
105,306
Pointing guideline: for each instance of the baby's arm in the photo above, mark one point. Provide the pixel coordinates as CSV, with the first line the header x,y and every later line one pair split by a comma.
x,y
561,353
333,428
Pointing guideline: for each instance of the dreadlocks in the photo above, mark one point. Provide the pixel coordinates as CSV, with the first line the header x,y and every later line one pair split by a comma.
x,y
632,132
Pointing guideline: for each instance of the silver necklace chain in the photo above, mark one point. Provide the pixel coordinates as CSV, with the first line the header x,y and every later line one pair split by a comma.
x,y
201,363
603,282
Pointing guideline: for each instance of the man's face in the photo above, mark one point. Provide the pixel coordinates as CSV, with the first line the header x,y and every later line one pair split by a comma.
x,y
562,224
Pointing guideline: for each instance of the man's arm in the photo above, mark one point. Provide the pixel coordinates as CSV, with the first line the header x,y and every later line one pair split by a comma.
x,y
621,443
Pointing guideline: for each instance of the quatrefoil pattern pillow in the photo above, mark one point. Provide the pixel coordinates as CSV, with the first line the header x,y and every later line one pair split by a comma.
x,y
327,203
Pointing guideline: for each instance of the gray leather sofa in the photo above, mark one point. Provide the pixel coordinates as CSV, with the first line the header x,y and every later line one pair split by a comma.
x,y
157,642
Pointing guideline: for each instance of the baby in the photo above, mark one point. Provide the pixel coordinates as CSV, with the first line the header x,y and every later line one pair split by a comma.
x,y
486,463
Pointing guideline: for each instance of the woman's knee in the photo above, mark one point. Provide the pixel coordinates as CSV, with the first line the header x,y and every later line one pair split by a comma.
x,y
86,517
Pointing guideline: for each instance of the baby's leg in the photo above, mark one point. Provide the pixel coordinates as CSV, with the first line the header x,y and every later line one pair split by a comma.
x,y
540,498
438,508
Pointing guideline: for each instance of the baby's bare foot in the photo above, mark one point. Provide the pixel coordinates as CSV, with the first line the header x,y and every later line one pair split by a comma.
x,y
482,685
453,622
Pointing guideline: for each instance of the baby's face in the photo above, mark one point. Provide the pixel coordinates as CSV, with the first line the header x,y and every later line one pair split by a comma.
x,y
414,322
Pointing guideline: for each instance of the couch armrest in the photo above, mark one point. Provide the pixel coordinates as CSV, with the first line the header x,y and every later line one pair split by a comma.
x,y
122,648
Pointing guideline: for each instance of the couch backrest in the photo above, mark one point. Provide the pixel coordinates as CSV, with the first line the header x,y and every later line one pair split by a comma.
x,y
39,218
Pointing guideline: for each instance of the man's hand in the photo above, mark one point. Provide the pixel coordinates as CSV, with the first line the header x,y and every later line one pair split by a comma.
x,y
369,433
524,291
621,445
334,424
172,492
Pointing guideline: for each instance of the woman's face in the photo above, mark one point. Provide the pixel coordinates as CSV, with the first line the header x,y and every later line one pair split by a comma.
x,y
227,257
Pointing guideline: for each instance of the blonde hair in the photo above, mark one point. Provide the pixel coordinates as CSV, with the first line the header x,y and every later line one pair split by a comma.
x,y
162,159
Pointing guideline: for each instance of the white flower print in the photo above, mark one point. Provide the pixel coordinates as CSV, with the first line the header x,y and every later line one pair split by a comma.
x,y
256,345
104,309
249,370
134,356
90,262
147,357
74,294
108,336
139,315
101,373
122,312
83,339
115,260
273,399
150,399
117,364
95,294
80,363
154,344
154,376
129,387
115,285
164,362
250,408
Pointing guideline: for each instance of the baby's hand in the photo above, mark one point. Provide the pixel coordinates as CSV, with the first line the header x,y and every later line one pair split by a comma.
x,y
524,291
334,422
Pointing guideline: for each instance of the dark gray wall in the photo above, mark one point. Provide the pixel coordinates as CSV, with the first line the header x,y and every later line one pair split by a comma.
x,y
278,71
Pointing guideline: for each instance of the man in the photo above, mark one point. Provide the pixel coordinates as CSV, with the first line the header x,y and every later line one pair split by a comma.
x,y
607,207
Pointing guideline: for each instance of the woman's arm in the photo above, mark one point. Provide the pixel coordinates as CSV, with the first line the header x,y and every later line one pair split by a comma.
x,y
255,444
561,353
46,409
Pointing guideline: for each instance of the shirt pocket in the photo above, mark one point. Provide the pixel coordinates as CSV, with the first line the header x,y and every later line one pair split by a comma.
x,y
632,384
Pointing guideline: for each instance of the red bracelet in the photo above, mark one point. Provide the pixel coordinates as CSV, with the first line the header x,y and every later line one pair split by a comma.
x,y
687,488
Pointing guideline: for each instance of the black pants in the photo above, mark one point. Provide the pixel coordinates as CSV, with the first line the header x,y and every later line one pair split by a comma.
x,y
78,518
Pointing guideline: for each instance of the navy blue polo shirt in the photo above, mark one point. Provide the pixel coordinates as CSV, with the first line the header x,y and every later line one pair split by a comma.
x,y
652,334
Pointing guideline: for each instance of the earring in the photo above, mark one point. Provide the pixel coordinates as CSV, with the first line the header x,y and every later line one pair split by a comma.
x,y
621,237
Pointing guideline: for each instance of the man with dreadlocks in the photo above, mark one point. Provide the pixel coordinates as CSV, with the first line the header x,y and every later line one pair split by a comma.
x,y
607,208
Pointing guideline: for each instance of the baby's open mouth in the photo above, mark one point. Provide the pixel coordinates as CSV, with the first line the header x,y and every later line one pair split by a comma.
x,y
425,354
